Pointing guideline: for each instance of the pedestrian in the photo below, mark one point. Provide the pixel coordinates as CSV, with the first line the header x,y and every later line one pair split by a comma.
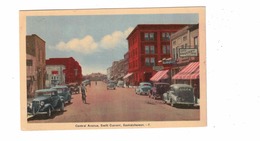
x,y
196,92
96,82
84,93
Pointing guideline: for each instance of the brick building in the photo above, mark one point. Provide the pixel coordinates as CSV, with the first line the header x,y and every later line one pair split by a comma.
x,y
35,63
147,44
73,71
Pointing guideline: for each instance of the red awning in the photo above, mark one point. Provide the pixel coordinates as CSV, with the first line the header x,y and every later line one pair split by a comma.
x,y
191,71
160,75
127,75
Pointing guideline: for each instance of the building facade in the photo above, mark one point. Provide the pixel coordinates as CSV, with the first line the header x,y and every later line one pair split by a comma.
x,y
73,71
117,70
55,75
147,44
185,49
35,62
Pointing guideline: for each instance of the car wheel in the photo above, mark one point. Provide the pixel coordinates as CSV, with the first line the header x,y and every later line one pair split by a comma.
x,y
49,113
62,107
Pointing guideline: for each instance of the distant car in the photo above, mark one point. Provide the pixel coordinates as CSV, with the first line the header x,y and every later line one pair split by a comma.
x,y
143,90
158,90
64,92
111,85
120,83
45,102
86,82
179,94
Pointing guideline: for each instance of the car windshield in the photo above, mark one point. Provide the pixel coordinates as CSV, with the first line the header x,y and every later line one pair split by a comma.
x,y
145,89
43,94
61,90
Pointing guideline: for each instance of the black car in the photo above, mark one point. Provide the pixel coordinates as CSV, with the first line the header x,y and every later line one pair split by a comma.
x,y
64,92
158,90
45,102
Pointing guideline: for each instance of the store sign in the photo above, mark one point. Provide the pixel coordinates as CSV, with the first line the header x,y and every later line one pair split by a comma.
x,y
158,68
188,52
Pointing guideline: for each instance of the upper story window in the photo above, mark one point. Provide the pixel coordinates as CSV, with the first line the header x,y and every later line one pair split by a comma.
x,y
166,49
149,61
165,36
149,36
149,49
196,42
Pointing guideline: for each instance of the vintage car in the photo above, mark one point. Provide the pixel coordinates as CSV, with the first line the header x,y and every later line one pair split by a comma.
x,y
120,83
158,90
179,94
143,90
86,82
63,91
111,85
45,102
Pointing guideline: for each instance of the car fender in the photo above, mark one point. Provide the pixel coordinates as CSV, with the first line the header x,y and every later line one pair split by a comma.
x,y
47,106
172,98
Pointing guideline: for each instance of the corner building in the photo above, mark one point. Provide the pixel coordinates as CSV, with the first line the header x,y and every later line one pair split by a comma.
x,y
147,44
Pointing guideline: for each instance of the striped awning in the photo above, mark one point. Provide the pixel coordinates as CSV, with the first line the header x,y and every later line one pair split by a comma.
x,y
127,75
191,71
160,75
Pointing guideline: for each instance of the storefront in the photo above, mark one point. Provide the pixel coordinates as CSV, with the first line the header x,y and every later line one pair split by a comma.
x,y
188,75
160,76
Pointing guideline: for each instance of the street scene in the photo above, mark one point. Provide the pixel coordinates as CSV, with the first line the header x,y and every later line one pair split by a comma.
x,y
88,70
119,105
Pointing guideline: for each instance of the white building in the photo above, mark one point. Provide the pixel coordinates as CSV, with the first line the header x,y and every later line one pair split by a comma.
x,y
55,75
109,73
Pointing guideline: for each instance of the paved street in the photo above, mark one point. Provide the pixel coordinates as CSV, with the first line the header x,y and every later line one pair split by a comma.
x,y
117,105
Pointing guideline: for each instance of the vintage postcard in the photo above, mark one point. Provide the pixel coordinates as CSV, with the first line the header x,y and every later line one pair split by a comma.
x,y
113,68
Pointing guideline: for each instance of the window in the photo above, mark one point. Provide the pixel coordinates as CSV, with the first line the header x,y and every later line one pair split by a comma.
x,y
152,63
149,49
149,36
147,61
152,49
29,62
165,36
166,49
196,42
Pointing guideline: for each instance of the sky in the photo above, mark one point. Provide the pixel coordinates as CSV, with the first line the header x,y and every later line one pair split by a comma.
x,y
95,41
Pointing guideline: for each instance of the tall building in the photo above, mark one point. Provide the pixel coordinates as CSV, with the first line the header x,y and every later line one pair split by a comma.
x,y
148,44
73,71
35,63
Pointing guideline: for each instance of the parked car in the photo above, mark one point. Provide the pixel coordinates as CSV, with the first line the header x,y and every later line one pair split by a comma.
x,y
45,102
158,90
64,92
111,85
86,82
143,90
179,94
120,83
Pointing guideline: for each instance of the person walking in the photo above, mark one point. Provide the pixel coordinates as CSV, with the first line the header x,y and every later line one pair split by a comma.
x,y
84,93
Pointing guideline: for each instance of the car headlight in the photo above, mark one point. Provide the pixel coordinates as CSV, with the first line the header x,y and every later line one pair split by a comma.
x,y
42,103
